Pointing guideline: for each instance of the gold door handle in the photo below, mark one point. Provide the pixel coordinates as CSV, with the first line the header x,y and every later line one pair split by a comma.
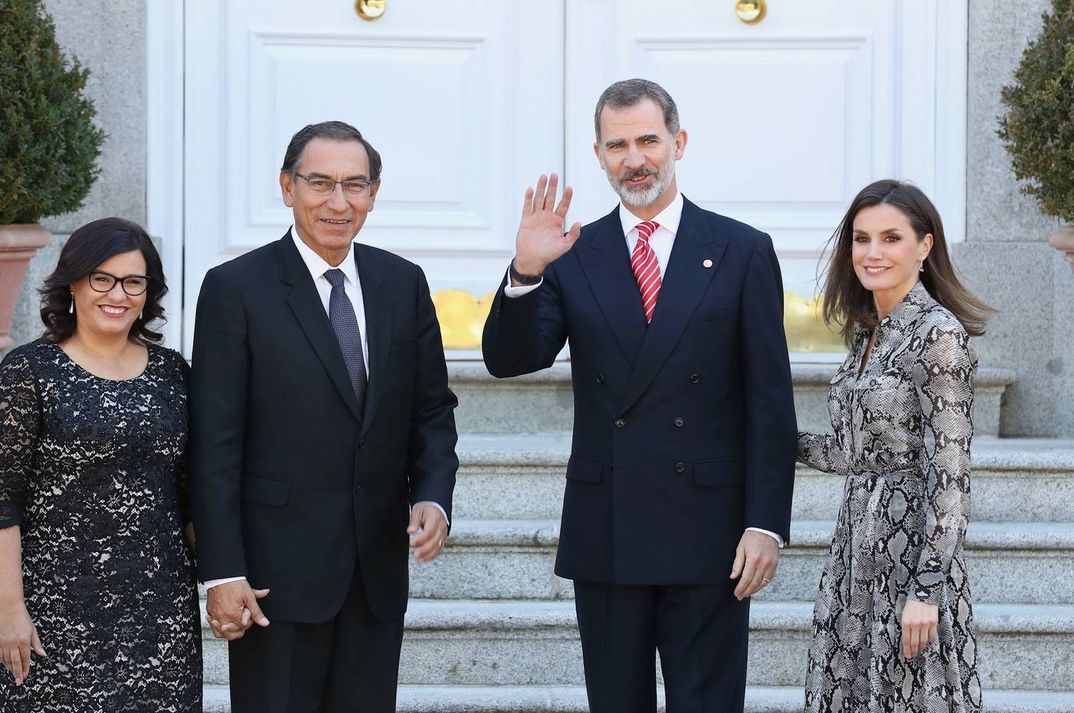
x,y
370,9
750,11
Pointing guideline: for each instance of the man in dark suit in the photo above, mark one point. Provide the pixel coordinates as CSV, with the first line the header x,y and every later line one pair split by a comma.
x,y
678,489
322,435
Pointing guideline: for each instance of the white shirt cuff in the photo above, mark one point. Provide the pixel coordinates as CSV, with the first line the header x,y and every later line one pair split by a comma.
x,y
774,536
513,291
438,506
214,582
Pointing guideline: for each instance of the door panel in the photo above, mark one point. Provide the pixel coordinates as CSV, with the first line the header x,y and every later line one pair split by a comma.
x,y
787,119
444,91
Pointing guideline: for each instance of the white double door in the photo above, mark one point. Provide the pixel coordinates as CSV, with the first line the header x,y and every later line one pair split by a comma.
x,y
469,101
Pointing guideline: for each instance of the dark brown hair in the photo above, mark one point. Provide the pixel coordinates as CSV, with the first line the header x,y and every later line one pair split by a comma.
x,y
85,250
847,303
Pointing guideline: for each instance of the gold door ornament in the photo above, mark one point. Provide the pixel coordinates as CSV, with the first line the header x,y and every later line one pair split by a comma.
x,y
750,11
370,9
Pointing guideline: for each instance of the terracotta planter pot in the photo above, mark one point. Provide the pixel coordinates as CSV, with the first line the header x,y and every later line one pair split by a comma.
x,y
18,243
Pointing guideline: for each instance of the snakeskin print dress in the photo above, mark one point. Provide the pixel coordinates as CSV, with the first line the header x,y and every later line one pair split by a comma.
x,y
902,438
89,470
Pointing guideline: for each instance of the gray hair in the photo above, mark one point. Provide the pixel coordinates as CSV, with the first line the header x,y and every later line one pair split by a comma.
x,y
629,92
332,131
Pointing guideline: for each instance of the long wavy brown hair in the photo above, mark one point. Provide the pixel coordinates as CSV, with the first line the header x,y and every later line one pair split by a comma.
x,y
848,304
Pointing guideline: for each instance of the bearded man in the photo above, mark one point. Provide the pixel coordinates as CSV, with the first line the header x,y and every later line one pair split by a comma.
x,y
678,489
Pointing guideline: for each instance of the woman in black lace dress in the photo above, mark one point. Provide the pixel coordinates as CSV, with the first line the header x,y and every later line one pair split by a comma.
x,y
893,625
98,602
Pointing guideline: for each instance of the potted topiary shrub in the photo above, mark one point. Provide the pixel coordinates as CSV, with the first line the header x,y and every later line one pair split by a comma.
x,y
1038,129
48,141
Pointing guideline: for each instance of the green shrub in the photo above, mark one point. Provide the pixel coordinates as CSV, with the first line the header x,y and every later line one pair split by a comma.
x,y
1038,129
48,141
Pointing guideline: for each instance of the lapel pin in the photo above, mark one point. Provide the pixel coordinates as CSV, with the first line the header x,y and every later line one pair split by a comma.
x,y
706,263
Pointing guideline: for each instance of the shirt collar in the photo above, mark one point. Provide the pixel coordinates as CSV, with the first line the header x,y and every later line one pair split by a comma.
x,y
317,265
901,318
668,218
917,300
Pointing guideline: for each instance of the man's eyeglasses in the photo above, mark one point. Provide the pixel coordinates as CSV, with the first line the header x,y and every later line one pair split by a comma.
x,y
323,186
133,285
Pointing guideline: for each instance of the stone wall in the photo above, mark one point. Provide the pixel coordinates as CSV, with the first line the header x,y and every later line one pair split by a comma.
x,y
109,38
1005,258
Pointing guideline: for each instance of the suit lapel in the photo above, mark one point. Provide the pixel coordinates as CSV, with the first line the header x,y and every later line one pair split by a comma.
x,y
607,266
685,280
306,305
378,328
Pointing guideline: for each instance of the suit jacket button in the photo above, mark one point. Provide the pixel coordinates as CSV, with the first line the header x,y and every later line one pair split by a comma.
x,y
358,489
619,423
694,378
600,378
680,467
679,421
361,443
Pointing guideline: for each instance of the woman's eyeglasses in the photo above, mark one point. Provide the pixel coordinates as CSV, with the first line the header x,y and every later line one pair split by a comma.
x,y
133,285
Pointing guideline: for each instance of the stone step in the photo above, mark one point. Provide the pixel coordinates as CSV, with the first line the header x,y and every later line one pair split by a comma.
x,y
1012,480
527,643
572,699
1013,640
514,559
520,476
544,401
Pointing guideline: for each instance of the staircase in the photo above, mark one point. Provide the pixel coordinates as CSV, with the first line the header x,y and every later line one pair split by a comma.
x,y
490,629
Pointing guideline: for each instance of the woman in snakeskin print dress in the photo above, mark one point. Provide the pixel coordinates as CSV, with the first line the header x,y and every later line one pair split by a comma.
x,y
893,623
96,579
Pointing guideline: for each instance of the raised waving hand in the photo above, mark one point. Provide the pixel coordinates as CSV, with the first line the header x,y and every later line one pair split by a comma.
x,y
541,237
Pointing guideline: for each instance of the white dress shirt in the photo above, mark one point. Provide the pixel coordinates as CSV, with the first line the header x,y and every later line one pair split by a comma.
x,y
662,238
661,241
353,287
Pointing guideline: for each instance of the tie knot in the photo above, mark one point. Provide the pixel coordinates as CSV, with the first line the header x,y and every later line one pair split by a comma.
x,y
646,229
334,277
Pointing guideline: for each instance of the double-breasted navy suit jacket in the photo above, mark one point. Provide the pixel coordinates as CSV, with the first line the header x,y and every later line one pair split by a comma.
x,y
684,429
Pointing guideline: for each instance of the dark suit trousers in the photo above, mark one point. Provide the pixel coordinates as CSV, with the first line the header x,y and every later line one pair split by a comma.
x,y
349,664
700,632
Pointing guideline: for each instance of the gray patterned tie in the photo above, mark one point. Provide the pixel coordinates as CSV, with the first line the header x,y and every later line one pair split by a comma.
x,y
345,324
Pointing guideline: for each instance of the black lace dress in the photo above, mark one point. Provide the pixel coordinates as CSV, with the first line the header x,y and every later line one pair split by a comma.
x,y
90,470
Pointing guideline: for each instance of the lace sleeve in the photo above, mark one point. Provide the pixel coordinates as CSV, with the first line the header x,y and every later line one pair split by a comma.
x,y
943,377
822,451
19,424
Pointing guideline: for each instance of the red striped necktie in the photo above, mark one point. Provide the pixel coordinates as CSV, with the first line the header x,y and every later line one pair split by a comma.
x,y
646,268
